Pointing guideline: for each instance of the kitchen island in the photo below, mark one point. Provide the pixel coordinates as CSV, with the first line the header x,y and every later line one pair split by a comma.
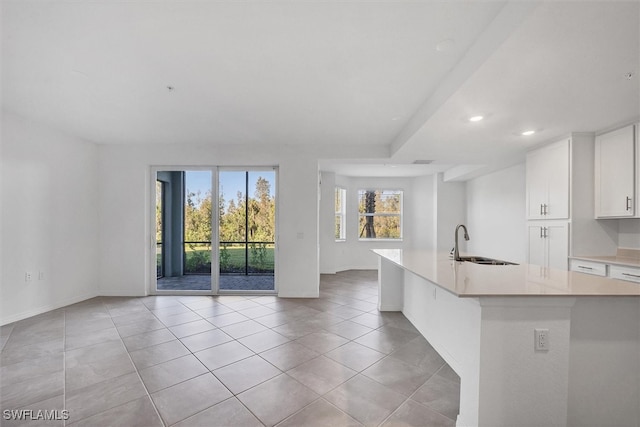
x,y
482,319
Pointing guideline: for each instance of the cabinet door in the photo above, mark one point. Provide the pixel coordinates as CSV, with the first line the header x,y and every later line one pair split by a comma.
x,y
558,181
537,249
536,184
557,242
615,173
549,244
548,182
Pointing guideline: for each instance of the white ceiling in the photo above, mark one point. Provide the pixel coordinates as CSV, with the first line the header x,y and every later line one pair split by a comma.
x,y
361,74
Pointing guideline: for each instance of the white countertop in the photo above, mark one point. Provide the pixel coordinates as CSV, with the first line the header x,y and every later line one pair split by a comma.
x,y
466,279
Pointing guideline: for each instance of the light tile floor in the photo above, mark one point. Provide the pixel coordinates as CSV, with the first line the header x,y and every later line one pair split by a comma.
x,y
228,361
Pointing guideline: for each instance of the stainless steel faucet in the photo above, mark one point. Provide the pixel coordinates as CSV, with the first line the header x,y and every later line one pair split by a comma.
x,y
456,253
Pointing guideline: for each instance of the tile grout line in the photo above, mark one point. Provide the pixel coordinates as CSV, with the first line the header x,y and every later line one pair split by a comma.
x,y
233,395
349,340
153,404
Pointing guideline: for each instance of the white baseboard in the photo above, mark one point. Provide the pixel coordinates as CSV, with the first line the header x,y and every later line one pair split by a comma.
x,y
120,293
389,308
45,308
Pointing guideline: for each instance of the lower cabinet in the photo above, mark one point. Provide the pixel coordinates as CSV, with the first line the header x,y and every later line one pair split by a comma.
x,y
548,244
589,267
621,272
624,273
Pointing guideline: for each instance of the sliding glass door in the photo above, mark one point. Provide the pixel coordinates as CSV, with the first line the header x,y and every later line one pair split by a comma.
x,y
201,249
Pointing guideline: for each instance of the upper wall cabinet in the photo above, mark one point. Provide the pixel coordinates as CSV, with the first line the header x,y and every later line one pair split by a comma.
x,y
615,174
548,181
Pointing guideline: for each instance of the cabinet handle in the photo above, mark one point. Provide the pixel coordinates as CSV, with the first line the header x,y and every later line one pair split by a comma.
x,y
541,210
546,231
545,209
631,275
586,268
628,205
543,232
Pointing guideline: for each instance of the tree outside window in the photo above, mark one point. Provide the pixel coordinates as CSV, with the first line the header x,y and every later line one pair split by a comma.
x,y
380,214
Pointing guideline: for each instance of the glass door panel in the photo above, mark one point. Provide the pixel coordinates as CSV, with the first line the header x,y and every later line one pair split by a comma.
x,y
185,228
159,228
246,229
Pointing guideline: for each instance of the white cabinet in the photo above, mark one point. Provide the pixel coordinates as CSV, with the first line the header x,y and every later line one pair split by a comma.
x,y
615,174
624,273
548,181
614,271
588,267
548,244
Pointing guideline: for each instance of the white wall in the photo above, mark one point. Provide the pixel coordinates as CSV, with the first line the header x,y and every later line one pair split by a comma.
x,y
629,233
450,210
326,225
125,236
423,228
49,219
496,214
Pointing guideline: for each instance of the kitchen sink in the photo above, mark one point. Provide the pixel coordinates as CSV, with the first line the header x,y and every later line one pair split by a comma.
x,y
485,261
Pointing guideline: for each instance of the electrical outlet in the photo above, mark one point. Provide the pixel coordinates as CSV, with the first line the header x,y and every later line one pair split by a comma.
x,y
541,339
28,276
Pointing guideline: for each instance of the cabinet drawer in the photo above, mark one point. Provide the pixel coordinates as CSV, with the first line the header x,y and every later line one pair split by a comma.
x,y
595,268
624,273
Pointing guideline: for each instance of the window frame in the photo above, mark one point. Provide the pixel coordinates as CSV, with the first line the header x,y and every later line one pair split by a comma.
x,y
340,214
400,215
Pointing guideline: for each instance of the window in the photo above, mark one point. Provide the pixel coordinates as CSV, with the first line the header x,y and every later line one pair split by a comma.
x,y
380,214
341,194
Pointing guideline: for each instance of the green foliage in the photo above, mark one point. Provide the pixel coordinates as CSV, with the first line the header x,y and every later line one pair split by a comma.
x,y
159,202
197,217
232,228
261,209
258,255
198,261
380,213
225,257
236,260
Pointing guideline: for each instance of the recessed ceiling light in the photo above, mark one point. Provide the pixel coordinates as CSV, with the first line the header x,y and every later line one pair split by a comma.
x,y
475,118
528,132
